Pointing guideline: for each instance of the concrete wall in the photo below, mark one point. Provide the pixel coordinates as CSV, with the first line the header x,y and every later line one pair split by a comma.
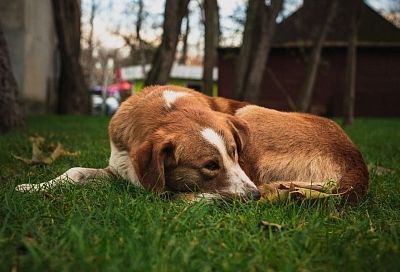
x,y
31,38
12,20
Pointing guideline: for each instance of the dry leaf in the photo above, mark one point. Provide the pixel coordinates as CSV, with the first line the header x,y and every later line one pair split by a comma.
x,y
271,226
189,197
288,191
39,157
309,194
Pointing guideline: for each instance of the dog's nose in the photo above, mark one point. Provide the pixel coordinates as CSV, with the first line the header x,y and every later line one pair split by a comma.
x,y
255,195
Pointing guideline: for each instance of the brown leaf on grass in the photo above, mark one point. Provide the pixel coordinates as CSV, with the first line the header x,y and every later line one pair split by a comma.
x,y
189,197
379,170
41,158
282,192
309,194
271,226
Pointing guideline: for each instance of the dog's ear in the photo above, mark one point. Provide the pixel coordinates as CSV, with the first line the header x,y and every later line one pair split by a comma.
x,y
150,160
240,131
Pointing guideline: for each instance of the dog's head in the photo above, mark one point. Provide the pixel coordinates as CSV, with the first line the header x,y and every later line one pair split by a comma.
x,y
196,151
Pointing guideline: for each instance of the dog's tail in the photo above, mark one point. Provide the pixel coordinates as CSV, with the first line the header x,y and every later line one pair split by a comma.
x,y
355,181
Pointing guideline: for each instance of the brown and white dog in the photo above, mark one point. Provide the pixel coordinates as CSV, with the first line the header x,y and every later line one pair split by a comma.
x,y
176,139
170,138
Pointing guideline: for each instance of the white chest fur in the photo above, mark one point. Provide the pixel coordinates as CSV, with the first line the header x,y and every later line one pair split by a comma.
x,y
121,164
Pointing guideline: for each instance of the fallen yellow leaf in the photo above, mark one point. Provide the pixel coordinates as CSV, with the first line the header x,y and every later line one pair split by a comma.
x,y
39,157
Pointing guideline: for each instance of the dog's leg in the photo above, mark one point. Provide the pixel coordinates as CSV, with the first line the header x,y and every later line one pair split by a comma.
x,y
76,175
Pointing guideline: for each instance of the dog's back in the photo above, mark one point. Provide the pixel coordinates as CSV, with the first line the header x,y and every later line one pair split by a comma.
x,y
303,148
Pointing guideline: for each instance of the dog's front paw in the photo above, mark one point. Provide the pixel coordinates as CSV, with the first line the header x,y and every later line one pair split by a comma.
x,y
24,188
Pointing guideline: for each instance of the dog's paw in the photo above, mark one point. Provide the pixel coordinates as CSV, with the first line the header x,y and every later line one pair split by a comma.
x,y
24,188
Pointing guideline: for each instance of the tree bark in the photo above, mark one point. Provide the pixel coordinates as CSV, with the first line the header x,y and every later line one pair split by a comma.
x,y
139,23
183,58
210,44
257,39
164,57
351,66
306,91
11,111
72,91
243,60
90,61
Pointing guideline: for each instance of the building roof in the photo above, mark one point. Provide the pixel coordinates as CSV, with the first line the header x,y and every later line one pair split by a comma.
x,y
178,71
299,28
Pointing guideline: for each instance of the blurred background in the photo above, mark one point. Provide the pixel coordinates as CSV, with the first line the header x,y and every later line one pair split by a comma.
x,y
334,58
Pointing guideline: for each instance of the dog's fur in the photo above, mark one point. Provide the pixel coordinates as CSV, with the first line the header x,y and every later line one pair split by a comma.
x,y
173,138
170,138
303,149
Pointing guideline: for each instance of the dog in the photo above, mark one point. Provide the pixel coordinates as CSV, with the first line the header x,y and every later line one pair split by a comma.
x,y
168,138
172,138
307,151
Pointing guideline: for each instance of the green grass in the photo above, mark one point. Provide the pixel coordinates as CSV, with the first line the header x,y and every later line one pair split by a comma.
x,y
112,226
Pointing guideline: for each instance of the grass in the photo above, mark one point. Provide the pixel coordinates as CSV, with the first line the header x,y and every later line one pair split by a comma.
x,y
113,226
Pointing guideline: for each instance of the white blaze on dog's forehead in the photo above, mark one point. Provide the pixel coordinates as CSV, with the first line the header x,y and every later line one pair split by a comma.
x,y
239,181
170,96
215,139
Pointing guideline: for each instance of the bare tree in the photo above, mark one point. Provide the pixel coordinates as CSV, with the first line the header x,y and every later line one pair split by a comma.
x,y
306,91
164,57
257,37
351,64
90,42
185,35
211,23
141,50
11,112
72,91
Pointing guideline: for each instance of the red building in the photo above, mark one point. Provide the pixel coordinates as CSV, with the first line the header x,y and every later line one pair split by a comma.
x,y
378,64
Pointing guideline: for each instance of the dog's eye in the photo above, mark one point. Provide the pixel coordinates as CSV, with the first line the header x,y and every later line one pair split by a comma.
x,y
212,165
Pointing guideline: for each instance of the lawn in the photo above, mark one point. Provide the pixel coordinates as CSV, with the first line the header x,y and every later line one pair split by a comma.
x,y
110,225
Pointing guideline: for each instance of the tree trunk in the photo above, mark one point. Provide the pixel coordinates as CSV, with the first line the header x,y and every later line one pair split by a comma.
x,y
183,58
257,38
89,68
72,91
11,111
210,44
139,23
243,60
306,91
351,66
164,57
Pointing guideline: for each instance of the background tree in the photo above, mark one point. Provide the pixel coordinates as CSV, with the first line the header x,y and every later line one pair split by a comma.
x,y
11,112
134,17
306,91
257,38
185,35
211,37
351,63
164,57
87,58
72,90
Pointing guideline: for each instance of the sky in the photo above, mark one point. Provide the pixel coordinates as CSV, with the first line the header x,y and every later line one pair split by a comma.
x,y
104,22
112,16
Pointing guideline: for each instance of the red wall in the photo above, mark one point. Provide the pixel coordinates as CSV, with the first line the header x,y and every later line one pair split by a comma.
x,y
377,80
